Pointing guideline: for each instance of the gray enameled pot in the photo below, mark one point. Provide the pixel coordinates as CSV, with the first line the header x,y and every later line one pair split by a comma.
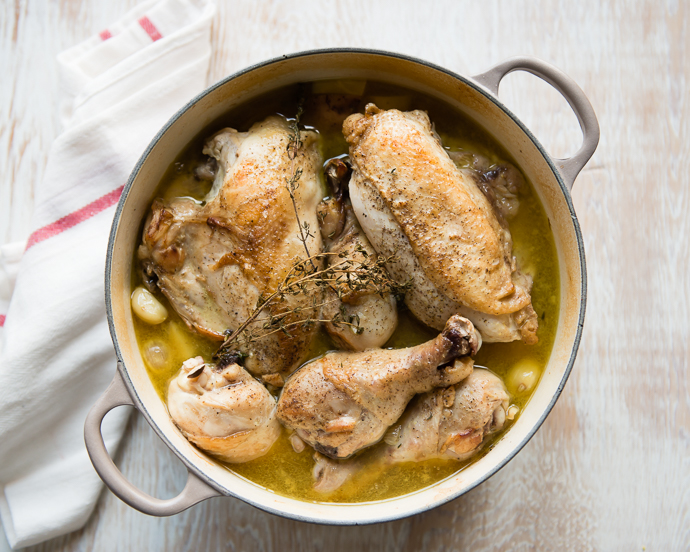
x,y
477,98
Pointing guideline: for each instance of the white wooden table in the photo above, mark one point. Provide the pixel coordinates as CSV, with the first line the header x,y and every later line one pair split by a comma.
x,y
610,468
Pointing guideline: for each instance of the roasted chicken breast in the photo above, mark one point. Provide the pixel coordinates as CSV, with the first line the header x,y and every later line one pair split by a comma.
x,y
215,259
412,201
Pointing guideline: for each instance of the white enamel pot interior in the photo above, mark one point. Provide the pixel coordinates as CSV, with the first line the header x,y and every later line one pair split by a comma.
x,y
477,98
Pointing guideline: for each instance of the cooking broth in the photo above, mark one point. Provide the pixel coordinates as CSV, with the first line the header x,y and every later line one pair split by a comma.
x,y
164,347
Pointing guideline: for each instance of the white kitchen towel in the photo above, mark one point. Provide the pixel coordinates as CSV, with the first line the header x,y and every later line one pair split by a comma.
x,y
10,256
56,355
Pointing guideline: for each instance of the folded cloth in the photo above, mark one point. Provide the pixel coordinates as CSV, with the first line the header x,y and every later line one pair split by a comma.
x,y
10,255
56,355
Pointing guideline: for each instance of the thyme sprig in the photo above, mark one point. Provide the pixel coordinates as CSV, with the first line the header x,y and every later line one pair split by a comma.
x,y
348,273
292,183
345,274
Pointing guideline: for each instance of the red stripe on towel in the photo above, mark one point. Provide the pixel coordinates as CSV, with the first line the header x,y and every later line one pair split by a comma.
x,y
150,28
2,320
68,221
105,35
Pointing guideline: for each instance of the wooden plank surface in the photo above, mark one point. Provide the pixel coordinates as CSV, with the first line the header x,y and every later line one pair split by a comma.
x,y
610,468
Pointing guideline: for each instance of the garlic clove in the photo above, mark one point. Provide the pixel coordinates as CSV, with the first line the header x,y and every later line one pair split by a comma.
x,y
523,377
147,307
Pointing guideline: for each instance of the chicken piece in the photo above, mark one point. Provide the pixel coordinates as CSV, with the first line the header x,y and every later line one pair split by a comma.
x,y
413,201
344,402
443,214
451,422
215,259
446,423
225,412
375,314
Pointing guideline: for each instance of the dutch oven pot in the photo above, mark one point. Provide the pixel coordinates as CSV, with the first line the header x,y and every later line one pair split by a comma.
x,y
477,98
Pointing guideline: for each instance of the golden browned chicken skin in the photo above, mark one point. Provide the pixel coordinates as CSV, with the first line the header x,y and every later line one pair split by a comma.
x,y
344,402
214,261
411,199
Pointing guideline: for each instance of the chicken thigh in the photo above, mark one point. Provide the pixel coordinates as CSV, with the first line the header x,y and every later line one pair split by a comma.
x,y
214,260
344,402
225,412
375,312
444,423
413,201
450,422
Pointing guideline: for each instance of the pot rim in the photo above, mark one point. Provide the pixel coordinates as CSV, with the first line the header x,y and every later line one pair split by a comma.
x,y
131,389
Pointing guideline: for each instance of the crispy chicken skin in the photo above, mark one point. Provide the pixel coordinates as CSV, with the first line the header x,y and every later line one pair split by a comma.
x,y
213,261
411,199
344,402
451,423
225,412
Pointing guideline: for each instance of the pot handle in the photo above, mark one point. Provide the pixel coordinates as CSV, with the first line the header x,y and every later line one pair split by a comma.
x,y
569,168
194,491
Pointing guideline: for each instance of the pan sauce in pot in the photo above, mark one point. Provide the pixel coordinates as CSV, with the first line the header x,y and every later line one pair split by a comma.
x,y
164,347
